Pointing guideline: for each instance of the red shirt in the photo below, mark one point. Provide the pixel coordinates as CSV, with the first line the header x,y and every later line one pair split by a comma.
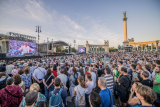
x,y
54,73
8,100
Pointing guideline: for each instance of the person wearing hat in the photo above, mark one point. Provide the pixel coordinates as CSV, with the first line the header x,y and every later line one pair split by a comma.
x,y
10,95
31,98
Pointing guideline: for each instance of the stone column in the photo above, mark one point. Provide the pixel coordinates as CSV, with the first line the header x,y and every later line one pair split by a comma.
x,y
125,43
137,47
156,46
141,47
151,46
125,30
146,47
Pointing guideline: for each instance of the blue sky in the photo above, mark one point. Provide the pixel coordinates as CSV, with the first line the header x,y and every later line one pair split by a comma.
x,y
92,20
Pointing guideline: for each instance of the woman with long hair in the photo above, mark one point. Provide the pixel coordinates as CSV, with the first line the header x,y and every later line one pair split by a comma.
x,y
72,80
79,90
27,78
18,81
48,84
54,70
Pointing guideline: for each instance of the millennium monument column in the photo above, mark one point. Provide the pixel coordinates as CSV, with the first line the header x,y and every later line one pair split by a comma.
x,y
126,42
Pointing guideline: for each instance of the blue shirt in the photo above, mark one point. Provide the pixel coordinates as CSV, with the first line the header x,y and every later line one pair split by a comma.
x,y
27,79
107,100
39,73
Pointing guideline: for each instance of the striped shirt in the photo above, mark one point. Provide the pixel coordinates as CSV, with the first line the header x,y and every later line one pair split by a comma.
x,y
110,82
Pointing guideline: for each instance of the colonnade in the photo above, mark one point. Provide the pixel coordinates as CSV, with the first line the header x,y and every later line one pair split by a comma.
x,y
90,48
146,46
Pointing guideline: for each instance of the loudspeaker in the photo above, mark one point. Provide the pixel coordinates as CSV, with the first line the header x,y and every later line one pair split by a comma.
x,y
2,55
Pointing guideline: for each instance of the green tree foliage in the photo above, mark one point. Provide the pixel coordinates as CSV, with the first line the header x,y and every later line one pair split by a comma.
x,y
73,49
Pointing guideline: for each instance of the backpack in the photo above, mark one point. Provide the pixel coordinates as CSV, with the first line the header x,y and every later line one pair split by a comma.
x,y
81,101
3,83
56,100
75,82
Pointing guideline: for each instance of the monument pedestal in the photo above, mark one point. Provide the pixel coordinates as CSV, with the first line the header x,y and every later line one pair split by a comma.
x,y
126,43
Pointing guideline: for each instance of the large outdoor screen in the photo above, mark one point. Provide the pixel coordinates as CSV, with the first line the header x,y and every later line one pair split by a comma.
x,y
81,49
21,47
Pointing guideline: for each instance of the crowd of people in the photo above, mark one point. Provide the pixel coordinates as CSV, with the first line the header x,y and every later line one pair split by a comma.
x,y
92,80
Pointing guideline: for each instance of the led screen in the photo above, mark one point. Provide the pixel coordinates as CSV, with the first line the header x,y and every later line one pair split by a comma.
x,y
21,47
81,49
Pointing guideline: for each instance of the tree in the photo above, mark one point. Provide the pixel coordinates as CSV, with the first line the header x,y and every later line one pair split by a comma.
x,y
73,49
112,49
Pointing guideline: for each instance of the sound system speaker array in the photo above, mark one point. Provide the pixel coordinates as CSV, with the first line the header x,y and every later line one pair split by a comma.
x,y
2,55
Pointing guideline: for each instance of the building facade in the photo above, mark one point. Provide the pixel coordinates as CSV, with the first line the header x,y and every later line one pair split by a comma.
x,y
92,48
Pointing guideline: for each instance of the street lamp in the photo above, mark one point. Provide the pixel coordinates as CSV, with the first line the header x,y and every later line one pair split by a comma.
x,y
38,29
74,44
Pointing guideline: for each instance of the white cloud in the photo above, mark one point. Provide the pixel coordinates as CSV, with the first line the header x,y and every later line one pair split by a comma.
x,y
55,25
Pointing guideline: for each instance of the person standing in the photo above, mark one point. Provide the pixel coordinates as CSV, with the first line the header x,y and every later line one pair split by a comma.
x,y
146,81
27,78
79,90
105,93
93,76
156,84
38,75
48,83
90,86
10,95
63,77
124,83
109,79
9,69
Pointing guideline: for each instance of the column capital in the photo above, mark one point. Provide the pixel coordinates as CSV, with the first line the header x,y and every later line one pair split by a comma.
x,y
125,19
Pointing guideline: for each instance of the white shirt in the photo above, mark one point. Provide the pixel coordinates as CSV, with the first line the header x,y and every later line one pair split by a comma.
x,y
25,49
90,85
94,78
79,91
153,73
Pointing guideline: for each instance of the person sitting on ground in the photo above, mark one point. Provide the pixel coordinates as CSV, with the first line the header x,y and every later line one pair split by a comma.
x,y
95,99
41,99
105,93
11,95
31,98
133,100
57,88
146,81
146,95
